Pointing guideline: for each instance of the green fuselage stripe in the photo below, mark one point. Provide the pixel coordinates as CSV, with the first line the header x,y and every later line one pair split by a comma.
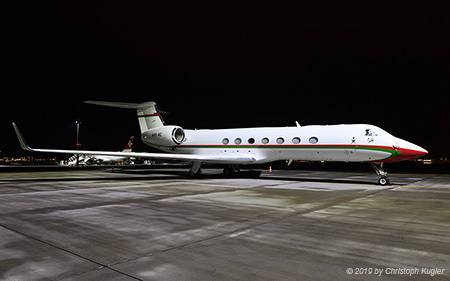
x,y
318,147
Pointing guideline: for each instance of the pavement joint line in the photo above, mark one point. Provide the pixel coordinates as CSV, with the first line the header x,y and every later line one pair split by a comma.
x,y
427,187
69,252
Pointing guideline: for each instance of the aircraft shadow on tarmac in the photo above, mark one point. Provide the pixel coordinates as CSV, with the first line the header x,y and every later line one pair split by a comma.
x,y
247,174
137,175
172,174
328,180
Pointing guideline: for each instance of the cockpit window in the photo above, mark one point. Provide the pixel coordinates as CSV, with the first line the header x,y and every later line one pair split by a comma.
x,y
370,133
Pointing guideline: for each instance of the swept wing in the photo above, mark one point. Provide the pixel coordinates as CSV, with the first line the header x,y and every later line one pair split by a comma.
x,y
242,159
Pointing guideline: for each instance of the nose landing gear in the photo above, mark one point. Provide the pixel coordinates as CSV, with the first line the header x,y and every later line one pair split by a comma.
x,y
384,181
378,167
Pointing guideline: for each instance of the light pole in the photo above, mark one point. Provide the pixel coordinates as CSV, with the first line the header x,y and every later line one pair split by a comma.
x,y
78,122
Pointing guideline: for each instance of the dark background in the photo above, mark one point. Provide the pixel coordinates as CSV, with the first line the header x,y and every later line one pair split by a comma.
x,y
223,64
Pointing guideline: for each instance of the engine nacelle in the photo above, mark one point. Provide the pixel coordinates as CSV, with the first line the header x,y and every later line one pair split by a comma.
x,y
166,136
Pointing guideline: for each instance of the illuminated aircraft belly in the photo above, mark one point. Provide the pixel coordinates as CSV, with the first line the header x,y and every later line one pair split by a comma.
x,y
268,153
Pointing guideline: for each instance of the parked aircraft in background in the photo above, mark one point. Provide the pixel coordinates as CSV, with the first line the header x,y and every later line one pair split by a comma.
x,y
91,159
347,143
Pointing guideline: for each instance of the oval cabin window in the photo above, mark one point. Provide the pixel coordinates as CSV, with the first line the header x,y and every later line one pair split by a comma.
x,y
313,140
237,141
225,141
265,140
280,140
296,140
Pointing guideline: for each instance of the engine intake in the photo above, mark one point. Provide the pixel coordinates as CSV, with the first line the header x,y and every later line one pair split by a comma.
x,y
166,136
178,135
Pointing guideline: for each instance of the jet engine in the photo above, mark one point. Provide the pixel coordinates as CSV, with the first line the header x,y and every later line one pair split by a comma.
x,y
166,136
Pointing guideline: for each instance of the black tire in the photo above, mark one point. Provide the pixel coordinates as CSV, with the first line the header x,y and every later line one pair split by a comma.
x,y
383,181
227,171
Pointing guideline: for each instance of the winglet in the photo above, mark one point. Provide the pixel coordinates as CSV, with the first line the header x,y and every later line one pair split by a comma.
x,y
22,141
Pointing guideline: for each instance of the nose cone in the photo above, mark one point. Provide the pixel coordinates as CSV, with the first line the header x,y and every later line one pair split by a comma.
x,y
408,150
412,153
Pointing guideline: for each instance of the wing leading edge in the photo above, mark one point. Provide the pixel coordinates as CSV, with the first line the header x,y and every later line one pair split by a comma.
x,y
243,159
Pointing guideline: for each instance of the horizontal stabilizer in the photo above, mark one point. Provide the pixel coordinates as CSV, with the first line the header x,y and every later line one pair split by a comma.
x,y
114,104
126,105
147,112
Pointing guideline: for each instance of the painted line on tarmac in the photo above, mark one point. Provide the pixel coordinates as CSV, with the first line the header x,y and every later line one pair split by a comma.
x,y
426,187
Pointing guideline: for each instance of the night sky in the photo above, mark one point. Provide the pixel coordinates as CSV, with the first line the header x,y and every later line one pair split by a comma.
x,y
223,64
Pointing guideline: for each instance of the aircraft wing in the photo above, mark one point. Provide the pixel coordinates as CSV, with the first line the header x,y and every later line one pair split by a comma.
x,y
242,159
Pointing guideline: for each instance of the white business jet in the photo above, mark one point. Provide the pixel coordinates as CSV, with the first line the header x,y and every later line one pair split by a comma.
x,y
346,143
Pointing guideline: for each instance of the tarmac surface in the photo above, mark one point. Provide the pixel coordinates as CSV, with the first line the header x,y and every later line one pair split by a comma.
x,y
284,225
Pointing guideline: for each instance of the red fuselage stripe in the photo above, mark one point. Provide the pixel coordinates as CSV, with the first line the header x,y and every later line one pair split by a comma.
x,y
148,115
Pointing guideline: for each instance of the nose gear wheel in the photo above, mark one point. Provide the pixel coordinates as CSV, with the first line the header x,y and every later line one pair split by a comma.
x,y
378,167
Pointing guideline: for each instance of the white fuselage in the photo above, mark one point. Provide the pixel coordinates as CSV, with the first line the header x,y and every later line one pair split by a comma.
x,y
348,143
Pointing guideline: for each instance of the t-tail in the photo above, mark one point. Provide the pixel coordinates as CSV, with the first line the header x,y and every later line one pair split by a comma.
x,y
147,112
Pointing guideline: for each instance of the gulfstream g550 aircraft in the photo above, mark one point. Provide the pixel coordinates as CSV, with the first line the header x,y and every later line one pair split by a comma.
x,y
347,143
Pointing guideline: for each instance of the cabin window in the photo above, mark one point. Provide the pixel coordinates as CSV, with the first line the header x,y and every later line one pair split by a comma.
x,y
265,140
313,140
280,140
251,140
237,141
225,141
296,140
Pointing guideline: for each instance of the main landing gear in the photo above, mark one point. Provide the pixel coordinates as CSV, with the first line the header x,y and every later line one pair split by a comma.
x,y
231,170
195,170
378,167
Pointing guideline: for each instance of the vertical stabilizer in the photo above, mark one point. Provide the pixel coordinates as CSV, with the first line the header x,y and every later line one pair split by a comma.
x,y
129,146
148,116
147,112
